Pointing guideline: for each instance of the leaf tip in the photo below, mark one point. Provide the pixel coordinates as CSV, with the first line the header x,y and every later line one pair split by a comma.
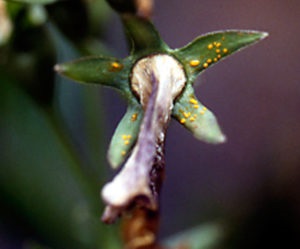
x,y
260,35
221,139
113,161
264,35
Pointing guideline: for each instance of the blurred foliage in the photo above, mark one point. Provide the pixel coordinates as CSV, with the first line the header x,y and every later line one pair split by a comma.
x,y
51,151
50,173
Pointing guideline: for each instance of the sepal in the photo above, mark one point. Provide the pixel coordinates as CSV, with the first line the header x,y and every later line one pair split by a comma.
x,y
102,70
197,118
209,49
125,135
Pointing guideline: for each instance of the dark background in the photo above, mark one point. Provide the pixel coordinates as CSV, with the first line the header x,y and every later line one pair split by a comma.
x,y
256,97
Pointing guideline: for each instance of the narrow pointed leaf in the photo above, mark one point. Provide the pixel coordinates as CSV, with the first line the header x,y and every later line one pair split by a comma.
x,y
142,35
207,50
97,70
125,135
197,118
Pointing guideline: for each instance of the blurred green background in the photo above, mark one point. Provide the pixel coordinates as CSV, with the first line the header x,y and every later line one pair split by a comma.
x,y
54,133
52,151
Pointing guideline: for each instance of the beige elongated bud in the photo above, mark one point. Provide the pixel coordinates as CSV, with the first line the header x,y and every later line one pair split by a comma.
x,y
157,80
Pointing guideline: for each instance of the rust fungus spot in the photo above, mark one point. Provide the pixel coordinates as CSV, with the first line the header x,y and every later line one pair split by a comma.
x,y
194,63
126,139
193,101
134,117
192,119
204,109
186,114
116,66
218,44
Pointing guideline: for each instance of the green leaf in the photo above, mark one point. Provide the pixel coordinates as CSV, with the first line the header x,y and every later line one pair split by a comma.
x,y
125,135
41,178
142,35
197,118
209,49
34,1
203,237
97,70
